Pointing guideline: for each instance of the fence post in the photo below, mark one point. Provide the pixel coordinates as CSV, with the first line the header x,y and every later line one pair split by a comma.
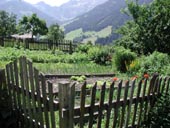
x,y
2,41
71,50
66,104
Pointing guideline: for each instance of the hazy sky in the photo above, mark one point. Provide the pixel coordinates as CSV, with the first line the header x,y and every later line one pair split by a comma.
x,y
50,2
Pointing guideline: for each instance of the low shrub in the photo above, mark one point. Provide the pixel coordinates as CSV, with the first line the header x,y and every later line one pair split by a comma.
x,y
100,55
159,115
155,62
83,48
123,58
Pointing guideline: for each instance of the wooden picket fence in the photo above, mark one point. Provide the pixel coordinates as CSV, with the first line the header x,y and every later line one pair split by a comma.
x,y
121,104
63,45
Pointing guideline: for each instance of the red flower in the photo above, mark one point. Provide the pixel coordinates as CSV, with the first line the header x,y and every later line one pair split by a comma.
x,y
115,79
146,76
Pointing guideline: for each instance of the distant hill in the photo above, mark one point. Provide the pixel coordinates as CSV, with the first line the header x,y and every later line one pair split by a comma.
x,y
69,10
21,8
97,20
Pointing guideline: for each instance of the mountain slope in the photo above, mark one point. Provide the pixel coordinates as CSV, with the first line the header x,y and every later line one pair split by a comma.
x,y
21,8
69,10
98,19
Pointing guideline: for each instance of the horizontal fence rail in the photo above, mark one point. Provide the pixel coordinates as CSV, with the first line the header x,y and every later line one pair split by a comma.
x,y
122,104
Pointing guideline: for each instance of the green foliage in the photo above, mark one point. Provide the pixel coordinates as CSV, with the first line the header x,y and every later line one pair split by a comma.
x,y
7,23
55,33
100,55
159,115
156,62
78,78
32,24
149,30
123,58
83,48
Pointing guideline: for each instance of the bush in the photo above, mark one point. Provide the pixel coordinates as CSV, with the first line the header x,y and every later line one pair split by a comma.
x,y
83,48
100,55
159,115
156,62
123,58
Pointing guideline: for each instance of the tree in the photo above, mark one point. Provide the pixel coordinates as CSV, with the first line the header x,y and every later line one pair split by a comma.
x,y
55,33
32,24
150,28
7,24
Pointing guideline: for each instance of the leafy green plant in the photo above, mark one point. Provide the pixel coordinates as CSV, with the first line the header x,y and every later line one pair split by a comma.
x,y
78,78
123,58
83,48
100,55
159,115
155,62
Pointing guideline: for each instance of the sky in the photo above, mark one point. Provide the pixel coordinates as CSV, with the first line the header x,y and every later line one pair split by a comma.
x,y
50,2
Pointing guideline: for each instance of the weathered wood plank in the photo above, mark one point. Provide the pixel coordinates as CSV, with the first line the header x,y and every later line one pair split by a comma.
x,y
101,105
11,72
8,84
22,86
26,85
116,108
32,87
71,105
51,105
64,104
124,104
111,92
16,76
82,104
92,103
137,102
44,95
37,85
130,104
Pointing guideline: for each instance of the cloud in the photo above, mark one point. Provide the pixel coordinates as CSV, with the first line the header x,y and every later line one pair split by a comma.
x,y
50,2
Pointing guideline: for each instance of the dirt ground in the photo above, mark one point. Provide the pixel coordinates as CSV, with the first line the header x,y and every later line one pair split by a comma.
x,y
89,80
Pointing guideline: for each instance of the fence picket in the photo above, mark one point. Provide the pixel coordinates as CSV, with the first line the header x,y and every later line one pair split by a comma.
x,y
26,85
82,104
9,84
12,85
51,104
22,86
136,103
17,83
124,103
167,87
92,103
71,105
116,109
142,102
111,92
32,87
38,92
159,86
44,96
130,104
101,103
163,85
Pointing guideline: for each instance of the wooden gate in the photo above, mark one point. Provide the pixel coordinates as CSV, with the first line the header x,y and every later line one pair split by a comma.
x,y
30,94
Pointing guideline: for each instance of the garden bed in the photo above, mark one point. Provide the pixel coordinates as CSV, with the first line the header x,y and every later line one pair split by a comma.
x,y
90,80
